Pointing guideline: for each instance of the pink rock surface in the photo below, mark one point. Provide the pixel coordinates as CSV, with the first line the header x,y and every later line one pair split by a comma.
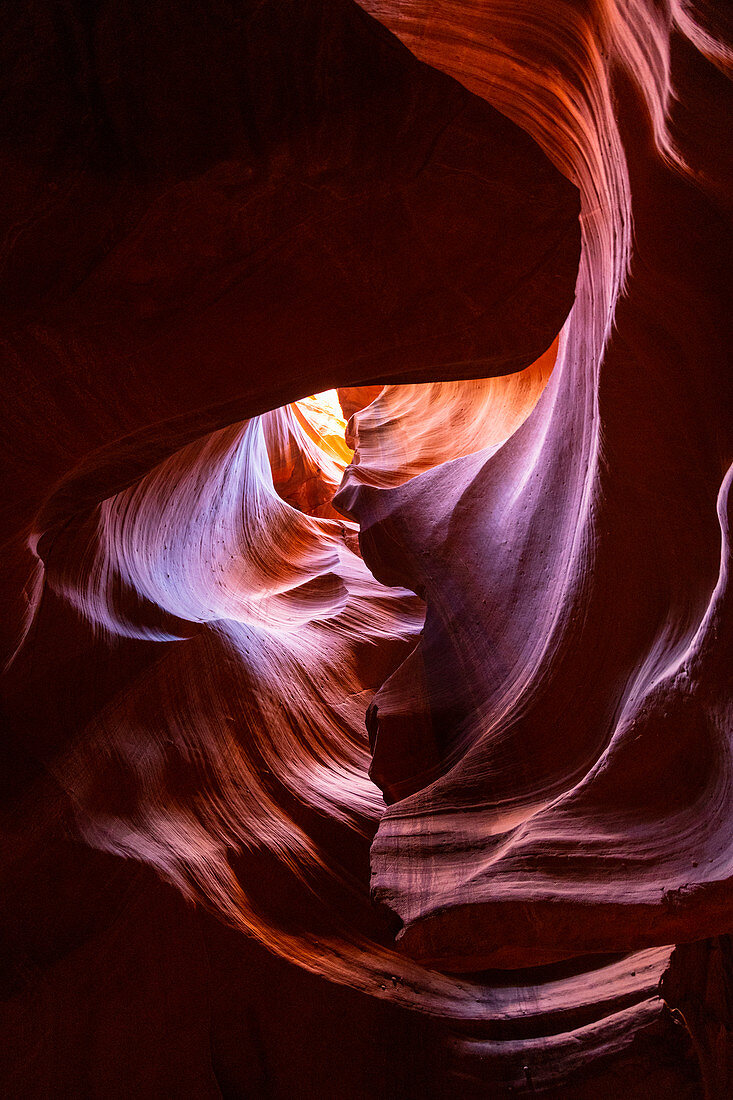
x,y
423,814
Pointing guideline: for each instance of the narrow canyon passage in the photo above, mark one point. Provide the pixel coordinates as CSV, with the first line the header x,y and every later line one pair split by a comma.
x,y
366,612
269,636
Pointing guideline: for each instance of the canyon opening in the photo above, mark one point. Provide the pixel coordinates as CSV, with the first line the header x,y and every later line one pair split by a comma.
x,y
366,549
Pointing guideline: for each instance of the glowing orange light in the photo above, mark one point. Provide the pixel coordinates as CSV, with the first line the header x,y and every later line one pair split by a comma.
x,y
323,419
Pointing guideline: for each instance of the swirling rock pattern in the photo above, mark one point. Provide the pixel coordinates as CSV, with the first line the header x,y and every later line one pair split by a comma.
x,y
391,758
613,549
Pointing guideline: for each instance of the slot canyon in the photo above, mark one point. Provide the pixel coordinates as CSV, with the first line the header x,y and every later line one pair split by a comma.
x,y
366,613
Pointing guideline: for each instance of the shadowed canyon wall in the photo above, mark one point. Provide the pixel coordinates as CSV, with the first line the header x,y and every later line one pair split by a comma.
x,y
366,549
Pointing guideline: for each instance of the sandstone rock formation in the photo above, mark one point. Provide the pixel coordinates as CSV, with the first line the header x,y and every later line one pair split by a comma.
x,y
390,758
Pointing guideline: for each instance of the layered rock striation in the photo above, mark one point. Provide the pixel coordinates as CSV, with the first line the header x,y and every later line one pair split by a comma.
x,y
392,757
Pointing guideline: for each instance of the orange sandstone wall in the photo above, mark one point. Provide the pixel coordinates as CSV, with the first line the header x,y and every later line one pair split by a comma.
x,y
401,772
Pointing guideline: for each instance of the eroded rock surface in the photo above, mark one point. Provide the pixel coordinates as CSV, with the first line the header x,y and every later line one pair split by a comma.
x,y
214,211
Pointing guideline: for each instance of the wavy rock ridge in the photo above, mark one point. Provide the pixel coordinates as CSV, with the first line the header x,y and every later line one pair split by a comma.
x,y
390,758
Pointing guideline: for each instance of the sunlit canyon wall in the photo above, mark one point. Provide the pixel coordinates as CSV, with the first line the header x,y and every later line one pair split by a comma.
x,y
366,602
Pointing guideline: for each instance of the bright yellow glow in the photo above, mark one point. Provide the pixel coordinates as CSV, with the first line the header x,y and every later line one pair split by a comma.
x,y
322,412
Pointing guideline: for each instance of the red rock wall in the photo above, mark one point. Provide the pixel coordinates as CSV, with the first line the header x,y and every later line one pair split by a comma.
x,y
506,711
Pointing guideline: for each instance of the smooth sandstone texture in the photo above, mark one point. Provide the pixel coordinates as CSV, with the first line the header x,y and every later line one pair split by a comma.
x,y
567,704
215,209
500,594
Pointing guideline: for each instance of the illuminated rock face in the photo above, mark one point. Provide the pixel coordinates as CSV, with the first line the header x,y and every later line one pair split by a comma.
x,y
513,615
588,552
